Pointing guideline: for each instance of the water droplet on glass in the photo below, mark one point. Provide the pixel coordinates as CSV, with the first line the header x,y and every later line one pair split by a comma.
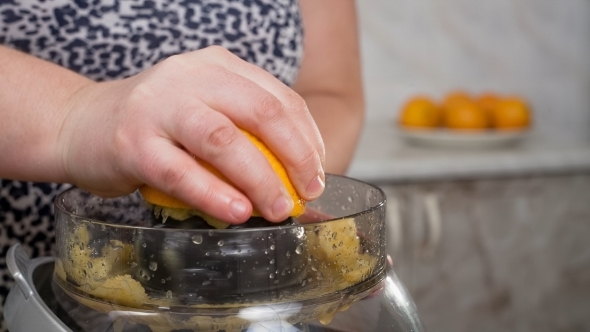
x,y
272,261
229,274
288,254
210,233
133,264
199,298
153,266
272,247
144,275
271,276
169,294
89,265
143,244
349,199
163,281
220,243
299,249
207,253
197,239
206,282
340,244
334,247
276,281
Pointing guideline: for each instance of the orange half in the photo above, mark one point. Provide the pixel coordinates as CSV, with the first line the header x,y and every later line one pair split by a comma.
x,y
159,198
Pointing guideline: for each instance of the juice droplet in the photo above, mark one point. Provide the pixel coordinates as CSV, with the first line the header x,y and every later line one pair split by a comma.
x,y
197,239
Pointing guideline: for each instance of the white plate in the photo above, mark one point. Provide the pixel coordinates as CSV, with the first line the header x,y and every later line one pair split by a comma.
x,y
462,139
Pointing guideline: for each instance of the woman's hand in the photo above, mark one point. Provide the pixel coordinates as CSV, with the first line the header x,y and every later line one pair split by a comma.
x,y
119,135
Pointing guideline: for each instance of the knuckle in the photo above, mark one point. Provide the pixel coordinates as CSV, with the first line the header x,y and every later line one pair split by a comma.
x,y
170,177
298,102
307,160
220,138
173,177
269,109
140,95
208,196
173,63
217,51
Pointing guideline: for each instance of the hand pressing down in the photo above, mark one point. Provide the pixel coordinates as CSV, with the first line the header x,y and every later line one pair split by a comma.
x,y
173,126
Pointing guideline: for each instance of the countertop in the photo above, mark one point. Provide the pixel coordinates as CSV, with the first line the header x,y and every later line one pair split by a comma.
x,y
384,156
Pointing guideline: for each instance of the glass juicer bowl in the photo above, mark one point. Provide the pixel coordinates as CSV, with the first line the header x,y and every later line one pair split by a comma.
x,y
119,265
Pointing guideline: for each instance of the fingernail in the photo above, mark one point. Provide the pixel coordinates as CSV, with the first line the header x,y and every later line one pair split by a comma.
x,y
315,187
282,207
238,209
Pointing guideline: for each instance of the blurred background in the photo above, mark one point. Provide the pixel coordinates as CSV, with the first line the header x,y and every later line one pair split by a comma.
x,y
489,230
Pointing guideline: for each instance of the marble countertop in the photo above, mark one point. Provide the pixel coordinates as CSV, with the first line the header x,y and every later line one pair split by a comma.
x,y
384,156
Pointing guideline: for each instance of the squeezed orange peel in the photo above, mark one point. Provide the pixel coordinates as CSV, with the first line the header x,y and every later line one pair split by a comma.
x,y
168,206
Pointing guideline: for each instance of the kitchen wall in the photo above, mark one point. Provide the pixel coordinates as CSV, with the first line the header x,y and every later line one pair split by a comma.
x,y
536,48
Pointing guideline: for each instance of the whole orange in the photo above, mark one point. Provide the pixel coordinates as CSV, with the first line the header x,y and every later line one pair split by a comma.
x,y
420,112
488,102
511,113
465,115
456,97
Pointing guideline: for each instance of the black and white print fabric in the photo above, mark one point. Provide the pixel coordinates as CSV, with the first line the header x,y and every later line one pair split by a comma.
x,y
113,39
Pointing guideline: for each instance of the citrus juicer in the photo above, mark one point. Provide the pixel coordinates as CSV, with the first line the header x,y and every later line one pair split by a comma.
x,y
118,268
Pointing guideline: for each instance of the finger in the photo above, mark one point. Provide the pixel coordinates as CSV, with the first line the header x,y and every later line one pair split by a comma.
x,y
252,107
173,171
293,107
212,137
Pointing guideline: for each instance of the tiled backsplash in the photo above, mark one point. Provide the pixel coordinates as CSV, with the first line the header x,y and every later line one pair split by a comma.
x,y
539,49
